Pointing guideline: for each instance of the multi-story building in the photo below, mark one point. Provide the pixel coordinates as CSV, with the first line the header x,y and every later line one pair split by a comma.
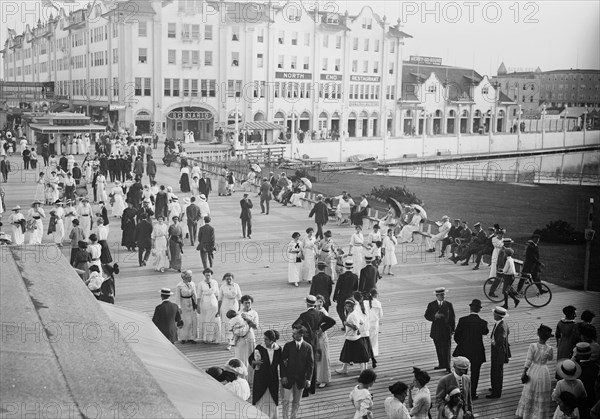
x,y
168,66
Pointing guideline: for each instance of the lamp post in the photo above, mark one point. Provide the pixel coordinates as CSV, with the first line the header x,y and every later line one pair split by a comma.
x,y
589,236
565,127
543,117
519,113
424,115
457,128
585,123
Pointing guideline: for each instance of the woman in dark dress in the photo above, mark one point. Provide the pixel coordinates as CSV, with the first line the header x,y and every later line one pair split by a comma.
x,y
266,360
175,245
81,260
161,207
128,227
184,179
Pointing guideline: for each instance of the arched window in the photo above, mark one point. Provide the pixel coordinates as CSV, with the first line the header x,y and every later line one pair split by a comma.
x,y
364,115
451,114
438,113
352,115
259,116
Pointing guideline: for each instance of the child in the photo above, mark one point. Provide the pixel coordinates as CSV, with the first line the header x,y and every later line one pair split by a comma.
x,y
389,252
360,396
508,275
230,183
236,329
567,407
453,409
569,371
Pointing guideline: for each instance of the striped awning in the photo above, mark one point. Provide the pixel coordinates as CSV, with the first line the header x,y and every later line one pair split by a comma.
x,y
43,129
257,125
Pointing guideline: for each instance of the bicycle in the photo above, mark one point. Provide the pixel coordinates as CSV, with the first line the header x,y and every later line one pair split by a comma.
x,y
537,294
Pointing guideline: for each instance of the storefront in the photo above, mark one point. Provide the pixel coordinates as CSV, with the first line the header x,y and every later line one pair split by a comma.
x,y
60,128
200,121
142,122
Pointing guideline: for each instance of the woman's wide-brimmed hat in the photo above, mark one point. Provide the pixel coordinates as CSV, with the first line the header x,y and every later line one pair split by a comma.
x,y
241,370
202,197
568,369
16,208
36,202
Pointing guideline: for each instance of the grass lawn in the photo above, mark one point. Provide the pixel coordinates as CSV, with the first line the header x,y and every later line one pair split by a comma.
x,y
519,208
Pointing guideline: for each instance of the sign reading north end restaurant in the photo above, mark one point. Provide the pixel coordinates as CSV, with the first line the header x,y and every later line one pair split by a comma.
x,y
416,59
292,76
189,115
331,77
366,79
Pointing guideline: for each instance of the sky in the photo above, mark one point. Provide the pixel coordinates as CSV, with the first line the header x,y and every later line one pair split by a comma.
x,y
551,34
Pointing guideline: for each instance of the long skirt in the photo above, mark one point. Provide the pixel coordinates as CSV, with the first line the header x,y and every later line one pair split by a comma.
x,y
374,337
535,400
358,258
294,272
105,255
189,331
174,255
59,234
354,351
267,405
323,366
222,186
308,265
128,236
68,225
37,234
18,236
494,262
160,253
118,206
85,222
184,183
406,234
226,305
243,349
209,325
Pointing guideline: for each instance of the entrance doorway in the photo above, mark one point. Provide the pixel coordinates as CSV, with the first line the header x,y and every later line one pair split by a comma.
x,y
198,120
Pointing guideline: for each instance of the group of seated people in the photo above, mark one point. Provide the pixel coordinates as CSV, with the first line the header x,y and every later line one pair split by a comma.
x,y
345,209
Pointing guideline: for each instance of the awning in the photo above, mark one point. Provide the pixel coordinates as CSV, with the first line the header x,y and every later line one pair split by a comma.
x,y
257,125
43,129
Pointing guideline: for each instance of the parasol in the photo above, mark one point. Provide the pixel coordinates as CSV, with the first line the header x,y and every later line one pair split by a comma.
x,y
395,205
420,208
307,182
255,167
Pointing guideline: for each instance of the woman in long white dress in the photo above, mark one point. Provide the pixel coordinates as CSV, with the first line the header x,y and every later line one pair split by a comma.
x,y
186,298
323,364
406,234
389,247
16,220
79,145
70,162
247,344
375,316
309,248
389,221
357,245
160,232
294,255
95,251
119,199
299,193
229,299
101,188
70,215
35,225
84,212
208,307
59,230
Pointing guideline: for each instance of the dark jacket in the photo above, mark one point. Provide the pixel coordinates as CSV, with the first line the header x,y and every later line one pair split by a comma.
x,y
246,206
320,212
500,346
206,238
192,213
151,167
143,234
297,365
267,376
368,279
166,316
323,285
204,186
532,258
468,336
346,284
443,327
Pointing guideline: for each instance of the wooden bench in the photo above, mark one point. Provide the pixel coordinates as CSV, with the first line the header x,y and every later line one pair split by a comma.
x,y
424,231
444,152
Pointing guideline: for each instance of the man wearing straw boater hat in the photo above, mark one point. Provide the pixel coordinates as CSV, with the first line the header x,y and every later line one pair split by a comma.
x,y
441,315
167,317
346,284
500,352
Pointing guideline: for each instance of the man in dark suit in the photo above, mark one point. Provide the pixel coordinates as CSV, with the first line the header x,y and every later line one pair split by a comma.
x,y
296,371
4,168
266,194
121,168
477,243
468,336
143,238
167,316
368,277
321,214
95,183
532,263
322,284
103,213
346,284
151,167
192,215
313,320
441,315
457,379
204,185
246,216
206,243
500,352
112,167
63,162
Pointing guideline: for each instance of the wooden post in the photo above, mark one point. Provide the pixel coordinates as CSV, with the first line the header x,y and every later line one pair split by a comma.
x,y
589,235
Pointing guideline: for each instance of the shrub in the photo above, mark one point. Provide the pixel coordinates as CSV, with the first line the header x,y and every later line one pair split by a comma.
x,y
300,173
401,194
561,232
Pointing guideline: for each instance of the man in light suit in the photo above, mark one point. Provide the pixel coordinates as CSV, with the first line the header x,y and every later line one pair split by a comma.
x,y
443,230
206,243
167,316
457,379
313,320
204,185
500,352
296,371
246,216
441,315
468,336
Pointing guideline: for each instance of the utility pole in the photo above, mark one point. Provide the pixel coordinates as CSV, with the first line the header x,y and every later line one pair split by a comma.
x,y
589,236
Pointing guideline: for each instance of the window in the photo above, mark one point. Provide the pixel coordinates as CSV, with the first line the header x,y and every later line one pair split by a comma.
x,y
280,61
531,98
208,32
115,87
142,29
484,90
365,66
259,60
338,42
142,55
560,97
261,36
147,87
171,56
235,33
195,31
325,41
376,67
391,68
281,38
355,44
235,59
172,30
186,87
167,89
175,87
294,62
203,88
367,23
377,45
115,56
324,67
138,86
294,38
392,47
195,57
185,57
212,88
366,44
187,34
208,58
354,66
194,87
307,39
338,64
306,63
362,91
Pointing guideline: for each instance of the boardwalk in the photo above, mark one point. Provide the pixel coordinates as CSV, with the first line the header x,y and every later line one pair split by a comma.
x,y
261,271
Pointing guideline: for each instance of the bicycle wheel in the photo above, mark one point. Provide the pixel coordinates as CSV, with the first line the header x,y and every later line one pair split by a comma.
x,y
489,285
538,294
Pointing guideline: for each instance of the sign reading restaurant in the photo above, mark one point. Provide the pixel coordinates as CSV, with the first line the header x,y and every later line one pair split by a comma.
x,y
189,115
366,79
293,76
416,59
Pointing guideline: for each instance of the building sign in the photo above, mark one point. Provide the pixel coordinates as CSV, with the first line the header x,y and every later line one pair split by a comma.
x,y
331,77
360,104
367,79
116,107
189,115
143,116
293,76
416,59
